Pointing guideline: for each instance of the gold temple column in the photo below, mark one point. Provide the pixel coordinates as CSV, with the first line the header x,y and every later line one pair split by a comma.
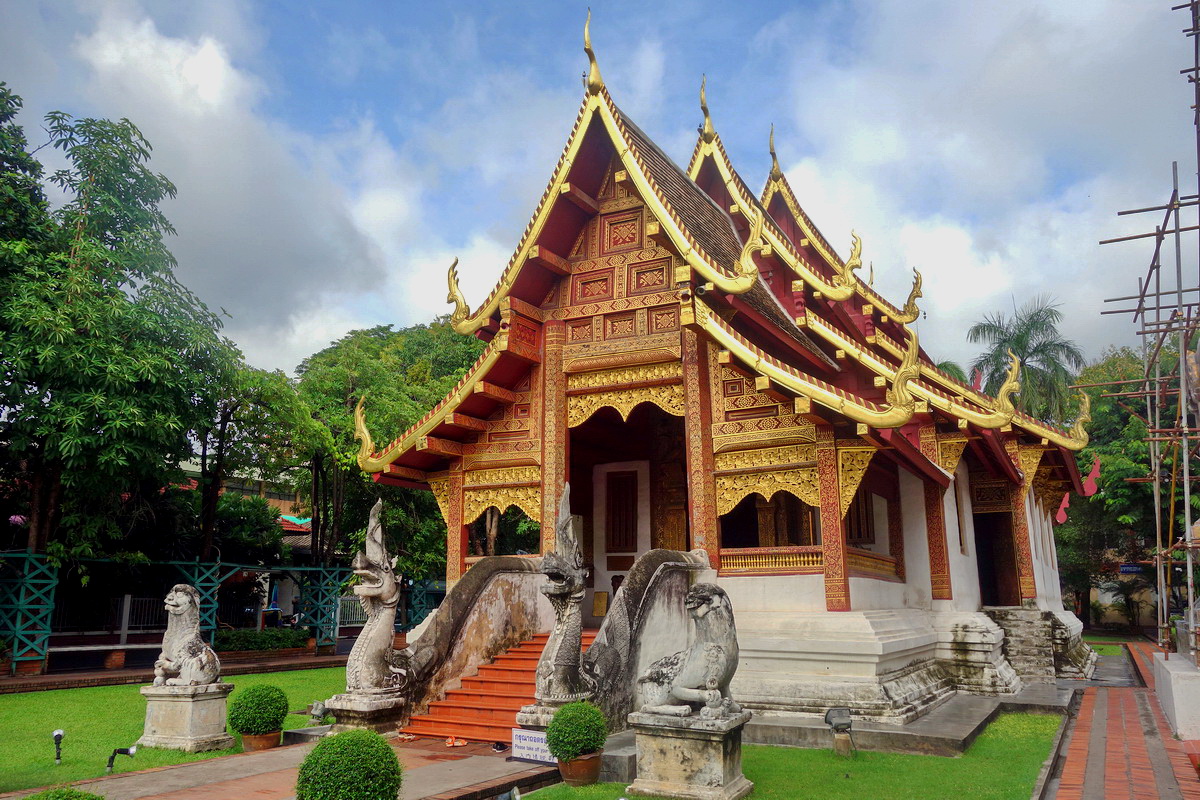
x,y
833,537
1026,576
896,535
555,433
702,487
456,526
935,522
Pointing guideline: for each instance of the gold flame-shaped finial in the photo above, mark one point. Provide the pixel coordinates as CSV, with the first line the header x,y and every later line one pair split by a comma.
x,y
708,132
594,82
776,172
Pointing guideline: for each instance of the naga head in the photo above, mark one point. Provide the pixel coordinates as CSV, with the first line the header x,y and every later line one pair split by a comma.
x,y
898,394
563,566
847,276
1079,432
455,296
911,311
1011,385
182,599
705,598
371,564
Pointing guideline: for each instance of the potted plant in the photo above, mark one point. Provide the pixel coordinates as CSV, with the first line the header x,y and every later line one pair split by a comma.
x,y
575,736
257,714
354,765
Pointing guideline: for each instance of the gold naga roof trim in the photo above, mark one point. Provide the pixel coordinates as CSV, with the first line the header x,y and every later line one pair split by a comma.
x,y
1075,439
598,104
900,407
1000,412
844,280
369,460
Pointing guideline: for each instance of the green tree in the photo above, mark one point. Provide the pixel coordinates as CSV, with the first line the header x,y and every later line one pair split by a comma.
x,y
255,423
954,370
102,350
1047,359
403,373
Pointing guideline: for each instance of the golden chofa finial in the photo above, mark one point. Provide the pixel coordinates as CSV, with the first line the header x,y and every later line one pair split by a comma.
x,y
708,132
776,172
594,82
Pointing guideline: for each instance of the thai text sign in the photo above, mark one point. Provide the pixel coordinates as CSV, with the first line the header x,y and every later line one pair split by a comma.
x,y
530,745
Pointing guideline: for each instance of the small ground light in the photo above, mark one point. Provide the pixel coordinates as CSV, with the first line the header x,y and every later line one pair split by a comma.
x,y
58,737
120,751
838,719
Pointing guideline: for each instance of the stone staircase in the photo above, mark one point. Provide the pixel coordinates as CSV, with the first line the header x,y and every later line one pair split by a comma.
x,y
1028,642
485,708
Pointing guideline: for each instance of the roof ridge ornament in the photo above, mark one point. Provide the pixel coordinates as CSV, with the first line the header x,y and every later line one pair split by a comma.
x,y
594,82
910,312
1012,383
707,131
898,395
455,296
846,279
1079,434
776,172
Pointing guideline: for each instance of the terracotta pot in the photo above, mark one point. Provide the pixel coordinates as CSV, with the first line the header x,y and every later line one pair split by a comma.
x,y
582,771
259,741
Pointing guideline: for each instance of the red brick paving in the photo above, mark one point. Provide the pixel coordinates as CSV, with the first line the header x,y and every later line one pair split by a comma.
x,y
1127,751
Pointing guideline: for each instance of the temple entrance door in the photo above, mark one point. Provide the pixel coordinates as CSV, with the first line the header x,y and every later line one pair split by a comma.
x,y
621,516
996,559
629,485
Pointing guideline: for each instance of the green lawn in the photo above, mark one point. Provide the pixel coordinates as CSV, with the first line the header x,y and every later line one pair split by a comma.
x,y
1098,636
1107,649
100,718
1002,764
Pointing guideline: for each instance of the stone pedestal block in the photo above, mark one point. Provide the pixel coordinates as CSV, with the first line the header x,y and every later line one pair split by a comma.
x,y
381,713
689,757
188,718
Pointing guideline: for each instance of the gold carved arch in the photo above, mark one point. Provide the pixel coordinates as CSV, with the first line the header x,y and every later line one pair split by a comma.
x,y
526,498
797,476
623,389
502,487
581,407
733,489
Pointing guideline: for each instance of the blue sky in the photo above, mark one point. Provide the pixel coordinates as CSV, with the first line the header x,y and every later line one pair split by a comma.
x,y
332,158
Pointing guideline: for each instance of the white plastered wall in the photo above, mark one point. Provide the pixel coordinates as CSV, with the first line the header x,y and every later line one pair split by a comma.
x,y
868,594
964,568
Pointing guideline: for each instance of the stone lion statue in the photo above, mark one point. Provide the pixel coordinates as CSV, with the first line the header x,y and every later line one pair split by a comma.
x,y
697,679
185,660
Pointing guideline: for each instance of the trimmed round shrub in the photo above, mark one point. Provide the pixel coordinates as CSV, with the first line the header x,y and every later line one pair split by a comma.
x,y
259,709
354,765
64,793
577,729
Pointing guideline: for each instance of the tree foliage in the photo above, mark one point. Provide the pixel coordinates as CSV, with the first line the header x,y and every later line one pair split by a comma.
x,y
402,373
1047,358
103,353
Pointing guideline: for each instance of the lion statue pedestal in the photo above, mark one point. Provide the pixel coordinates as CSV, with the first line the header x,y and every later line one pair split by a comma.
x,y
689,731
185,708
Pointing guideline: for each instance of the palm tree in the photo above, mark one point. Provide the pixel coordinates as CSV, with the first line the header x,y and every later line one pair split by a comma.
x,y
954,370
1047,359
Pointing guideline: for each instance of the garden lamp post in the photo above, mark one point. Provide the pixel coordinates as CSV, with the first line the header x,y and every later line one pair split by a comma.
x,y
123,751
58,737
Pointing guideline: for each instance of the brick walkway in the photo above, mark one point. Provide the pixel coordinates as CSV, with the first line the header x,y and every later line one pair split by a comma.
x,y
1121,748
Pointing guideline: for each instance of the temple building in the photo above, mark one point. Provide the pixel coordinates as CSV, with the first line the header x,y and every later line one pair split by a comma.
x,y
707,373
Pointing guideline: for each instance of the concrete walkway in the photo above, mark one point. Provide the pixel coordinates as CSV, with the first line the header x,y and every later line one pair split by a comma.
x,y
1119,746
431,772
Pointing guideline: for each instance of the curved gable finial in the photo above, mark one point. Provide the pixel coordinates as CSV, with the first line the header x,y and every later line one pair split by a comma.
x,y
708,132
776,172
594,82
